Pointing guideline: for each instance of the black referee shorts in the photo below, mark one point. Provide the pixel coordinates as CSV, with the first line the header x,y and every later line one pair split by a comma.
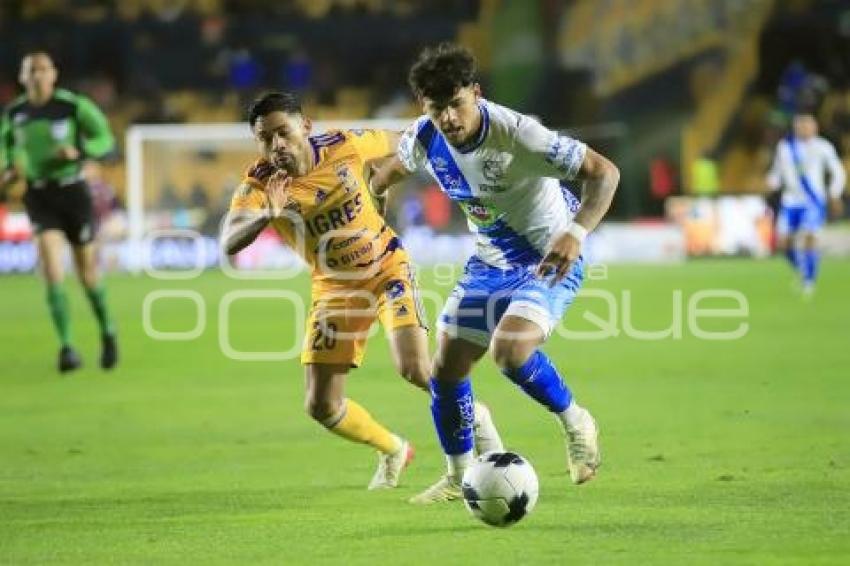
x,y
67,208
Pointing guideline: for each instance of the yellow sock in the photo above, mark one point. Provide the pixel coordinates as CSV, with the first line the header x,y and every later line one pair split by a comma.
x,y
356,424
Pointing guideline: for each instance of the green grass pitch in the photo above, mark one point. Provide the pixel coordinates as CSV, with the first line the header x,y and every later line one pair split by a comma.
x,y
714,452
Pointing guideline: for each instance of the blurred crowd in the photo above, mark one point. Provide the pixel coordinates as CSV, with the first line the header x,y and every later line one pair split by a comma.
x,y
639,72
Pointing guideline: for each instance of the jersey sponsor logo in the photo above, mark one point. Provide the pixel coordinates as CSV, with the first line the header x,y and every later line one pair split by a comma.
x,y
346,259
440,165
60,129
479,213
321,196
335,218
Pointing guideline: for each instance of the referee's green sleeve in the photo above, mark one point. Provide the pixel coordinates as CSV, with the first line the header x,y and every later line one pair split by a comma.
x,y
6,142
97,137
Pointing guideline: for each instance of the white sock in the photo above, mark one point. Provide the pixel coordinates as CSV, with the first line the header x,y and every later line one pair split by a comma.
x,y
458,464
399,444
571,416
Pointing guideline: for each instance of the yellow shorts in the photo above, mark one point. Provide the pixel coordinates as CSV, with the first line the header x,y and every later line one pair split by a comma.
x,y
341,316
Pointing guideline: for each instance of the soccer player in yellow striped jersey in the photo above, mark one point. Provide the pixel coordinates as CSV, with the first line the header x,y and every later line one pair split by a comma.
x,y
312,190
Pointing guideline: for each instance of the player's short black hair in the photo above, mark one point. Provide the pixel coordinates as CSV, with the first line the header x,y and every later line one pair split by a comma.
x,y
275,101
440,71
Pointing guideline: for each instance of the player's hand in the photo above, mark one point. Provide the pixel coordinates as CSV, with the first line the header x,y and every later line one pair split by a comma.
x,y
563,251
836,207
277,191
68,153
380,200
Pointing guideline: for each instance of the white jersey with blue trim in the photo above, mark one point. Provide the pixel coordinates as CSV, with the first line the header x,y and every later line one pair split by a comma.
x,y
814,158
508,181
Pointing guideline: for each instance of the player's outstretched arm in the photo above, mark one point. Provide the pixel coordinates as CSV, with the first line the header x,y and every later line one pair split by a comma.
x,y
837,180
383,174
8,173
240,228
601,178
98,139
252,208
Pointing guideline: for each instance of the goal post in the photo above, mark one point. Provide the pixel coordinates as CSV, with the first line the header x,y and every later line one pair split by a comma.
x,y
170,168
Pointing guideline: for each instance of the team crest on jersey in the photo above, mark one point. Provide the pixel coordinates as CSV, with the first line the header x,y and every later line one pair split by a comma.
x,y
395,289
346,177
493,169
20,118
60,129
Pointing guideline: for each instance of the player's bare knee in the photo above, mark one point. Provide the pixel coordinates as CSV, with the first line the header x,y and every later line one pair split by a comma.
x,y
509,353
416,371
446,369
322,410
809,241
89,279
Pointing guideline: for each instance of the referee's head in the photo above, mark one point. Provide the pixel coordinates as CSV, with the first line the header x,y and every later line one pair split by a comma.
x,y
805,125
38,76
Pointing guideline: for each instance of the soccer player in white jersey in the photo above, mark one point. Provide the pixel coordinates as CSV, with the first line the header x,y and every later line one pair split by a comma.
x,y
800,168
505,170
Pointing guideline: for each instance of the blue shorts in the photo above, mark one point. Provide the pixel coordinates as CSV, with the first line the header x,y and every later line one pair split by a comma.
x,y
485,294
793,219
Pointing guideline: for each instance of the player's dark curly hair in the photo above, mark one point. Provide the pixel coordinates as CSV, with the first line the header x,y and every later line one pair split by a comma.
x,y
440,71
275,101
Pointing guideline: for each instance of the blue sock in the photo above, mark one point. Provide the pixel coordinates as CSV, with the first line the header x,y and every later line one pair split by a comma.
x,y
540,380
810,265
453,410
793,258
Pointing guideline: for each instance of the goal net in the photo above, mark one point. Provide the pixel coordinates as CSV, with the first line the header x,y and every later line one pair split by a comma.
x,y
180,178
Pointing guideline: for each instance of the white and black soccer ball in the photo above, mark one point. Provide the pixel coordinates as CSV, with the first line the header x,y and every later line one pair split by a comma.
x,y
500,488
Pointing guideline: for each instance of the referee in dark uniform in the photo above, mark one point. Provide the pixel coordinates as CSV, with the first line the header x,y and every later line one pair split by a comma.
x,y
45,136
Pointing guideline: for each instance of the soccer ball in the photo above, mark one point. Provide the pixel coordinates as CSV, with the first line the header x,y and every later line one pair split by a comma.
x,y
500,488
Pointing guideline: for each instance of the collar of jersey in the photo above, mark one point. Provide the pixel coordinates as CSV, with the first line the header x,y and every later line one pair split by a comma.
x,y
482,134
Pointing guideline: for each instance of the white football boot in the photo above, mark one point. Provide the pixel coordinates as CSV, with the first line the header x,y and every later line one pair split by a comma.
x,y
583,457
446,489
390,467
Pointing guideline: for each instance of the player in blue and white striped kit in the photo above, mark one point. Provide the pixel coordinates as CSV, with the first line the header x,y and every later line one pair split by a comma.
x,y
505,170
800,168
